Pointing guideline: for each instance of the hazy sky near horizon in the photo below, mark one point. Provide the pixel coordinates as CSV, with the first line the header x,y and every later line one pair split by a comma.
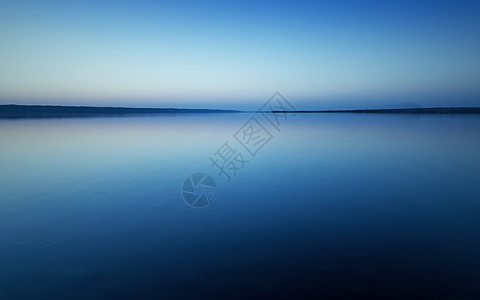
x,y
236,54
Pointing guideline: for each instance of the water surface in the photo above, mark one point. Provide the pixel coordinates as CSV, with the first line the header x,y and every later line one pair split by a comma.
x,y
355,206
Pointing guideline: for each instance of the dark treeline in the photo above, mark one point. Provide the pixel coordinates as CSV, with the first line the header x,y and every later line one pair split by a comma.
x,y
433,110
46,111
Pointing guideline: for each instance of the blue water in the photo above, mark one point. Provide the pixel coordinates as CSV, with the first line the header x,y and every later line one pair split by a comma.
x,y
356,206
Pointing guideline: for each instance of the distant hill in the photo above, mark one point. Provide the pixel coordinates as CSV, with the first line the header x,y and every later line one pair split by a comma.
x,y
12,111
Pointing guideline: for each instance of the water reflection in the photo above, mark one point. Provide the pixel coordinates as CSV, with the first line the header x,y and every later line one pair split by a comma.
x,y
334,205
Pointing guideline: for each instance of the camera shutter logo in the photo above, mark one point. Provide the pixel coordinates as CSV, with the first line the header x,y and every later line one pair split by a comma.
x,y
199,190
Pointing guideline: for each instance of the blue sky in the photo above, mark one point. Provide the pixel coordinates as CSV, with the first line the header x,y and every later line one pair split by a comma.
x,y
318,54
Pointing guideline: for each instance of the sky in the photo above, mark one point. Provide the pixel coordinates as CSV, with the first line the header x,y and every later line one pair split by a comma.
x,y
236,54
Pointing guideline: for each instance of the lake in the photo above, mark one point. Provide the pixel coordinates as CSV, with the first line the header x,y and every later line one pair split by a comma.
x,y
357,206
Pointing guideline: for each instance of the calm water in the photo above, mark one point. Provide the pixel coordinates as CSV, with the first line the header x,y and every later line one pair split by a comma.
x,y
335,205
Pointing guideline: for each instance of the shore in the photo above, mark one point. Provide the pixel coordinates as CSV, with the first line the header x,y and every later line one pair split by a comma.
x,y
46,111
431,110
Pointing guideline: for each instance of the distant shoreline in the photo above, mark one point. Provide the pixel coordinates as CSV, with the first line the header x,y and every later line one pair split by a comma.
x,y
12,111
431,110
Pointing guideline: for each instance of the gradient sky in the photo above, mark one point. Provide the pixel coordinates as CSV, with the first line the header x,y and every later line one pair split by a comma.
x,y
318,54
